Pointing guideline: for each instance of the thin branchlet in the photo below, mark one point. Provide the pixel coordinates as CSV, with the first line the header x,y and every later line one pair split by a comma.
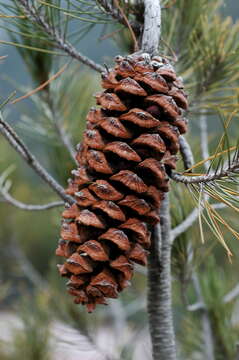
x,y
34,15
117,15
112,10
27,207
231,170
190,220
186,152
13,139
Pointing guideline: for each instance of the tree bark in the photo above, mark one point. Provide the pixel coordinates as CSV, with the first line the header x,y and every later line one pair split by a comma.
x,y
159,289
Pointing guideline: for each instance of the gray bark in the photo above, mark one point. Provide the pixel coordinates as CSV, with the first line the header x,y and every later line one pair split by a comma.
x,y
186,152
159,292
159,269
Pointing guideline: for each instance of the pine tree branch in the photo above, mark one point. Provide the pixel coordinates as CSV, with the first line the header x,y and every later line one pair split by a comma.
x,y
186,152
116,14
20,205
32,14
231,170
196,306
190,220
14,140
159,293
152,26
231,295
112,11
159,268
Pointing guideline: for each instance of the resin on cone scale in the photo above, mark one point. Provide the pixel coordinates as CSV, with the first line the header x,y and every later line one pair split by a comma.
x,y
129,147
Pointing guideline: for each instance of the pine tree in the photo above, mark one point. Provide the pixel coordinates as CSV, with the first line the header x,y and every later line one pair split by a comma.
x,y
125,202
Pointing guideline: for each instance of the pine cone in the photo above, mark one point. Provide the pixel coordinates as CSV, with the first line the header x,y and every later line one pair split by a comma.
x,y
129,147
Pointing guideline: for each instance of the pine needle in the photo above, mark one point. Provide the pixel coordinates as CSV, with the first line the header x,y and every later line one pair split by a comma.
x,y
3,57
42,86
136,45
232,148
12,16
217,229
31,48
200,215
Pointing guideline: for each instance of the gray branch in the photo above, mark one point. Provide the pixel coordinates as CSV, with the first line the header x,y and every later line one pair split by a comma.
x,y
159,268
225,173
196,306
189,221
9,199
159,293
186,152
152,26
231,295
31,12
14,140
112,11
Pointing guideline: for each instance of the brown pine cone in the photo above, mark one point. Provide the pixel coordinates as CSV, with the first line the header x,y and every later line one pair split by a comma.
x,y
129,146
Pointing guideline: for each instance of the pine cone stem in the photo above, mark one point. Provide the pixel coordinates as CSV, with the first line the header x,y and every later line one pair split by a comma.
x,y
159,290
152,26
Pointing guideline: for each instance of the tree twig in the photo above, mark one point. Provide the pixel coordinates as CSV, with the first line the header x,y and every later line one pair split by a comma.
x,y
29,207
186,152
40,87
190,219
233,169
152,26
231,295
112,11
196,306
116,14
14,140
32,14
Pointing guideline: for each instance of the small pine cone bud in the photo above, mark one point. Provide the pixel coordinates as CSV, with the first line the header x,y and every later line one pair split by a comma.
x,y
128,149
